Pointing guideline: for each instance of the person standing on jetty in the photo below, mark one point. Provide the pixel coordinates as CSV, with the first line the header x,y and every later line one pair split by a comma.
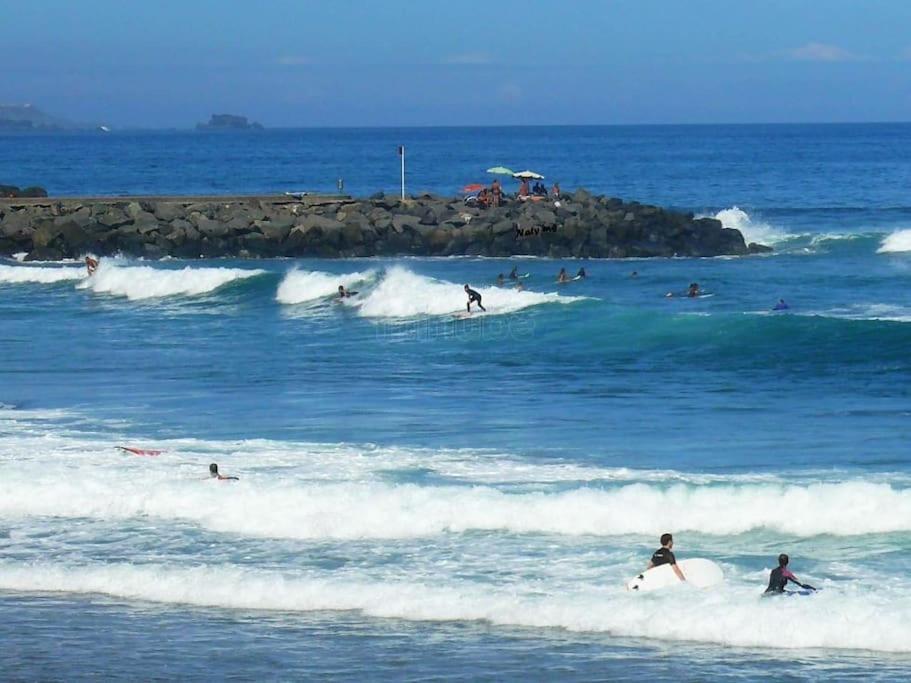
x,y
496,191
473,297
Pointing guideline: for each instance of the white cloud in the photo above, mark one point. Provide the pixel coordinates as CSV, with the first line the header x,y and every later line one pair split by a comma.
x,y
294,60
820,52
468,58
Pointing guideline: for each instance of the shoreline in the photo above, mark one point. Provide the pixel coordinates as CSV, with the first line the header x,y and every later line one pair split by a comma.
x,y
578,225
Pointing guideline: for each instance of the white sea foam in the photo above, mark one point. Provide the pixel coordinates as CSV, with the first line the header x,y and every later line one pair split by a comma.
x,y
856,615
147,282
301,286
753,230
266,506
404,294
898,242
38,274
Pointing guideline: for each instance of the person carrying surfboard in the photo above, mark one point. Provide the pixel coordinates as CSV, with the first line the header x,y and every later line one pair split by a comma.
x,y
779,577
664,556
473,297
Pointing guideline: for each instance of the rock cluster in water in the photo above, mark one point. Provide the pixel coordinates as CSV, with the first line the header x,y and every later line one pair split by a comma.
x,y
577,225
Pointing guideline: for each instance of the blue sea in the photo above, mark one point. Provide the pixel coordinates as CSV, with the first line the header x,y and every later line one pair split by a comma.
x,y
423,497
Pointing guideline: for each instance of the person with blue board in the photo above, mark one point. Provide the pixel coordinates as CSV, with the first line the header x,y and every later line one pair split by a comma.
x,y
779,577
664,556
473,297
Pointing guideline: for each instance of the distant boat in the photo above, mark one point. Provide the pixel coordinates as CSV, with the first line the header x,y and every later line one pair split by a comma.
x,y
104,129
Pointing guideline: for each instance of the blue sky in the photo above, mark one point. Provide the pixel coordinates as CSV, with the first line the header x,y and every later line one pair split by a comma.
x,y
402,63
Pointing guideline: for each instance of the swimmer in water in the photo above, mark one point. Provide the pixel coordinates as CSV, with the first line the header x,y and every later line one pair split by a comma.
x,y
500,280
91,265
344,293
562,276
693,291
780,306
780,576
473,297
514,273
634,274
581,274
213,474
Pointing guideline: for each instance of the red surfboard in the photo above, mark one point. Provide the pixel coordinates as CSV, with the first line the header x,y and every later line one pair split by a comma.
x,y
138,451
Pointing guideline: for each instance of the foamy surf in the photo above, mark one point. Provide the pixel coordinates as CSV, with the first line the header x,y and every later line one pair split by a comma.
x,y
147,282
303,286
898,242
404,294
860,616
39,274
752,229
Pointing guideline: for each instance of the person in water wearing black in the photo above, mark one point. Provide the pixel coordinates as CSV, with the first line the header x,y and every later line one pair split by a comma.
x,y
664,556
581,274
694,290
514,273
344,293
473,296
213,474
780,576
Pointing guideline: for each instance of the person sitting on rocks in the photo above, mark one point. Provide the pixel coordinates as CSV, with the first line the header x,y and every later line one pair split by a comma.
x,y
483,198
555,191
523,190
91,265
496,192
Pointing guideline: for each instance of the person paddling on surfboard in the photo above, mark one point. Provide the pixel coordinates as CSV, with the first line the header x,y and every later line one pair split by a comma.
x,y
664,556
780,576
213,474
562,276
473,297
344,293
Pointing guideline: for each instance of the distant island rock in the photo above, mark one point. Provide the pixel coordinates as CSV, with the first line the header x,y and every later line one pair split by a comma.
x,y
229,122
27,117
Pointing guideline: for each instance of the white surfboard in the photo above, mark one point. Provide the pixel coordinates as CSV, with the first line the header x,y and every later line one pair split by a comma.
x,y
698,571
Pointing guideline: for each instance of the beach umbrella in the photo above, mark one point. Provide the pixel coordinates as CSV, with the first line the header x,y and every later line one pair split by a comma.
x,y
500,170
528,175
474,187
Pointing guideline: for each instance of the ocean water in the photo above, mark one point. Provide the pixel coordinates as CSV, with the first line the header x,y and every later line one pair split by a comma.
x,y
424,497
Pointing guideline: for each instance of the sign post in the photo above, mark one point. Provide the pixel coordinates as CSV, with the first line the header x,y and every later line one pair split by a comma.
x,y
402,156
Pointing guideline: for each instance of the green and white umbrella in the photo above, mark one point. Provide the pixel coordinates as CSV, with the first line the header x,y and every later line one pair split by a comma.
x,y
500,170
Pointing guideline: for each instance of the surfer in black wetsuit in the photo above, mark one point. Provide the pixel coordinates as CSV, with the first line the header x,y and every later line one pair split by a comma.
x,y
581,274
514,273
213,474
664,556
473,296
780,576
344,293
694,291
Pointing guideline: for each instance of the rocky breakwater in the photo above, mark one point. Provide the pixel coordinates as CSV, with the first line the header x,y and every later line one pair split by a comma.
x,y
577,225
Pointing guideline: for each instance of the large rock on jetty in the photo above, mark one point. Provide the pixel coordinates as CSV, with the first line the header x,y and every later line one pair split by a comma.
x,y
577,225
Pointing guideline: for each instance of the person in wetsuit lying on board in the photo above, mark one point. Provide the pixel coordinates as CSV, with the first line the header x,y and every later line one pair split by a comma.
x,y
664,556
780,576
214,474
